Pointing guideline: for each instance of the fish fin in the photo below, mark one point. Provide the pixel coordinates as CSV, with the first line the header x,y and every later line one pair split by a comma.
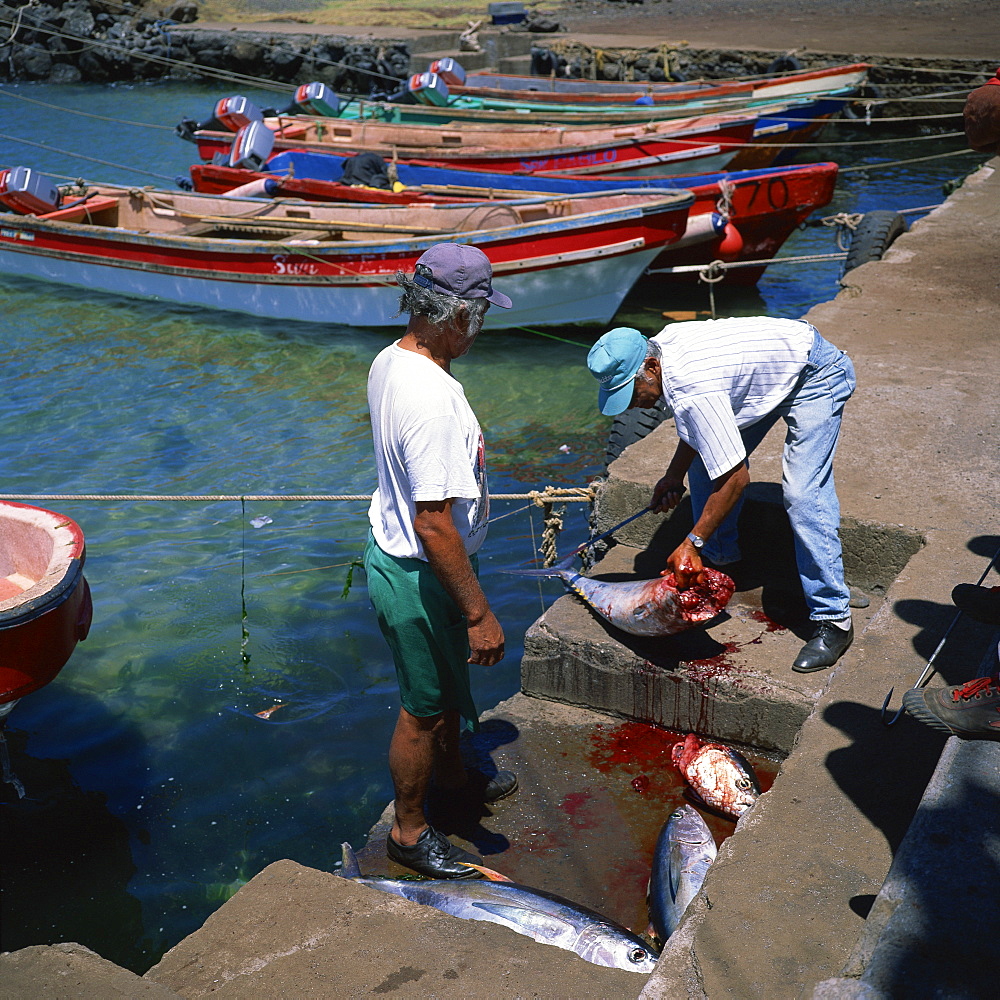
x,y
351,868
535,922
490,874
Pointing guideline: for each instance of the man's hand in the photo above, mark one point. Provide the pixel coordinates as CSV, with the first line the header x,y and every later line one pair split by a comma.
x,y
486,641
686,565
667,493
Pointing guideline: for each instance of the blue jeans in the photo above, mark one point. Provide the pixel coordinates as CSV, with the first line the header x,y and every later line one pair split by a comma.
x,y
813,412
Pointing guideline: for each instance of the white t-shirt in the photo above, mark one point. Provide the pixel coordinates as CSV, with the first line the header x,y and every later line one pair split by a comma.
x,y
721,375
428,446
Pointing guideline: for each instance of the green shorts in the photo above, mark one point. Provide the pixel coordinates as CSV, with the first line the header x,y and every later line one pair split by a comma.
x,y
427,634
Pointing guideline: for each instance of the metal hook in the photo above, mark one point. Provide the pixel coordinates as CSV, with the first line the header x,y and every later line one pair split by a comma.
x,y
929,668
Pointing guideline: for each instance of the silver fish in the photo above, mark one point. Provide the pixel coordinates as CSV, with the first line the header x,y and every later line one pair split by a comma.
x,y
543,916
646,607
719,775
684,851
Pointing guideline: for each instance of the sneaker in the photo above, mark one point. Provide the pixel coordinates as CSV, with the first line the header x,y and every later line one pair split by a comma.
x,y
981,603
828,644
434,856
970,711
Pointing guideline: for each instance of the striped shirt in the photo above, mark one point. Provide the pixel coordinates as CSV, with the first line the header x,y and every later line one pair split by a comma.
x,y
722,375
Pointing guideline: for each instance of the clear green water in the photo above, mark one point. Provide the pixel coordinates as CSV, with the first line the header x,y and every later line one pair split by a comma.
x,y
154,790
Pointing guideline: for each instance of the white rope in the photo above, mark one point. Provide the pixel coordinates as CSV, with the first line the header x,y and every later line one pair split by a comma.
x,y
568,495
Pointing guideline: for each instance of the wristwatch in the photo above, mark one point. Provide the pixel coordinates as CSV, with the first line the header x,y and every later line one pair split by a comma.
x,y
696,540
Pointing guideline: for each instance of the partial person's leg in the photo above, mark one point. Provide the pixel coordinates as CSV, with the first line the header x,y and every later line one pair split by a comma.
x,y
412,754
810,497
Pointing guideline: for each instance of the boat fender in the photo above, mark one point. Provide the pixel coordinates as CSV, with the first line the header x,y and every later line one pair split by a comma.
x,y
732,243
27,192
645,101
875,233
235,112
251,147
260,187
85,613
450,70
719,223
783,64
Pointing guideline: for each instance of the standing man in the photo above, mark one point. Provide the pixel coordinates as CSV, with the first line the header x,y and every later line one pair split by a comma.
x,y
428,519
727,382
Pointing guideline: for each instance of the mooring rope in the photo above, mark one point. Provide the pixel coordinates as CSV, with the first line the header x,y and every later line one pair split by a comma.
x,y
569,494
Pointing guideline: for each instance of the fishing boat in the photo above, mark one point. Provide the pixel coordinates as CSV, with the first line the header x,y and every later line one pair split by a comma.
x,y
528,89
688,145
736,216
570,259
45,605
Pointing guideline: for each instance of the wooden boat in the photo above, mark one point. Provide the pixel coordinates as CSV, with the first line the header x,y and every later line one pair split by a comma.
x,y
790,86
45,605
562,260
763,207
687,145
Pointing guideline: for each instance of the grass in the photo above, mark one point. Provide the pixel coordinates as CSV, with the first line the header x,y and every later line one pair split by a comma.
x,y
454,14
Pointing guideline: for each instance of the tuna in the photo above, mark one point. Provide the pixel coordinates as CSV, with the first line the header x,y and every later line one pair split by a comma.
x,y
647,607
543,916
718,775
684,851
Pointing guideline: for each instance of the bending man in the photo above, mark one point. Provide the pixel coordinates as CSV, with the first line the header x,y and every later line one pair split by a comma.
x,y
428,519
727,382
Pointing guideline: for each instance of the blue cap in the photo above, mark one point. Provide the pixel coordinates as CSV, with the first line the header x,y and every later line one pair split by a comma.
x,y
614,361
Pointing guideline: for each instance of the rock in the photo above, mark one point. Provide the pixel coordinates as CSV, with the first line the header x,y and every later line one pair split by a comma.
x,y
183,12
79,21
285,61
34,64
64,73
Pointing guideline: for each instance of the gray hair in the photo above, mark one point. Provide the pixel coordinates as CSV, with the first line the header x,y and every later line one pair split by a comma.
x,y
439,308
653,349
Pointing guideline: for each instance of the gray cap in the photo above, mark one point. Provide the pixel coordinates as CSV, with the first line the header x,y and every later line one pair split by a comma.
x,y
461,270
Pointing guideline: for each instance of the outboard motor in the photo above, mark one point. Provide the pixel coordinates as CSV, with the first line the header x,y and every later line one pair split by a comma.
x,y
450,70
230,115
314,99
234,113
251,147
428,88
28,192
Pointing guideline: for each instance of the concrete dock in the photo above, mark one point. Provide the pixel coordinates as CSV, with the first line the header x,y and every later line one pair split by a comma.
x,y
862,821
870,868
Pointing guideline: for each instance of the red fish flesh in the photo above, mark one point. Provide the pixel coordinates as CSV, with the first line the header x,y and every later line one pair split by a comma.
x,y
718,775
652,607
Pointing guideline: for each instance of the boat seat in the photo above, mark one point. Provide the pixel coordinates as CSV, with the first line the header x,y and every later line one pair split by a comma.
x,y
14,584
81,212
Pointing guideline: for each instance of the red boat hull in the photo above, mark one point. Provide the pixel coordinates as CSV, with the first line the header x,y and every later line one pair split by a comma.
x,y
39,632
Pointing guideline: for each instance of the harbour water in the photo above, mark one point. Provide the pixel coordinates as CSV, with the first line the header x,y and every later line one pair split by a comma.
x,y
154,787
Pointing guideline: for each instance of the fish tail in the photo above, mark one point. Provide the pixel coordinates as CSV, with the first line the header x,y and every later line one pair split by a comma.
x,y
554,570
351,868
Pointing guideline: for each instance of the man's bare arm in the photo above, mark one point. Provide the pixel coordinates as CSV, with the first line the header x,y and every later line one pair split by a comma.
x,y
448,559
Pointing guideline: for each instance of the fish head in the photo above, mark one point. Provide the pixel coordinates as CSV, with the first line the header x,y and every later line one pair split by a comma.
x,y
722,778
686,826
615,948
681,753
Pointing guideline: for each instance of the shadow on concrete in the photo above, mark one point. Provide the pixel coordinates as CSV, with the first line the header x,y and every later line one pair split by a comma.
x,y
940,930
885,770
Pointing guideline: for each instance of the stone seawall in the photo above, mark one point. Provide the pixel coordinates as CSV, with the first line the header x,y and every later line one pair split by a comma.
x,y
102,41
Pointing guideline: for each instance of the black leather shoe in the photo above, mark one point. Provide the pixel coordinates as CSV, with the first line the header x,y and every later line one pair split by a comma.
x,y
502,784
433,855
828,644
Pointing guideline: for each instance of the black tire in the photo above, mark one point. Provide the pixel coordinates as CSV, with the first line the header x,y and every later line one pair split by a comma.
x,y
783,64
854,108
876,232
631,426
